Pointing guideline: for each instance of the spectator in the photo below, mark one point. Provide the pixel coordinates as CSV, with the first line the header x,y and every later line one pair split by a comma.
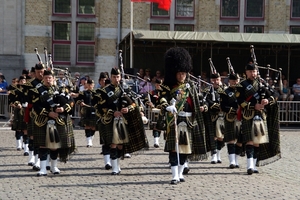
x,y
159,76
3,85
61,80
285,93
82,84
296,90
102,80
141,73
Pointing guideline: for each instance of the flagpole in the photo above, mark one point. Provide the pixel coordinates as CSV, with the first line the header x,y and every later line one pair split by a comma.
x,y
131,36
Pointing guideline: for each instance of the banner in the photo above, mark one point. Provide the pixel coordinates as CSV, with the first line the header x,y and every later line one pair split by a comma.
x,y
162,4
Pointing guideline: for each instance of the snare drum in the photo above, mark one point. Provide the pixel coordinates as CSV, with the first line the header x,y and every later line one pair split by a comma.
x,y
154,117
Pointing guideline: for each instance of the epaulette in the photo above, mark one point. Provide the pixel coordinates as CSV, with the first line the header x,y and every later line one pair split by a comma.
x,y
207,89
34,90
28,83
220,90
80,92
238,85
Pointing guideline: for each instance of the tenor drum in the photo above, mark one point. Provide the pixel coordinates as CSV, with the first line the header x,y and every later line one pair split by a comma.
x,y
154,117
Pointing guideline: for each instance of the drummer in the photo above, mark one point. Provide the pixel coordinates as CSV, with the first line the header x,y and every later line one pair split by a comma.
x,y
152,100
89,118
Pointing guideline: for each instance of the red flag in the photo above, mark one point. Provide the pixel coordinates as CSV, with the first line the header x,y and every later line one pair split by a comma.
x,y
162,4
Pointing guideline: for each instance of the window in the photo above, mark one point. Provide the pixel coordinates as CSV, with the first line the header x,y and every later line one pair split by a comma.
x,y
61,41
62,52
156,12
62,7
295,30
233,29
254,9
229,8
86,32
254,29
184,8
86,7
86,53
62,31
85,42
184,27
295,9
159,27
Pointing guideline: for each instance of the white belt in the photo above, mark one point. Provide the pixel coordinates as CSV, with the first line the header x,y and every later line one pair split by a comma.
x,y
185,114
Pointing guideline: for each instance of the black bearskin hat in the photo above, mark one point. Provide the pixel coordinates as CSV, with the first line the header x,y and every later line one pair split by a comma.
x,y
177,59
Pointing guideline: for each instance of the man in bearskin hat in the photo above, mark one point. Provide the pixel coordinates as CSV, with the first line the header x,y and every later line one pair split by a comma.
x,y
256,101
52,123
185,136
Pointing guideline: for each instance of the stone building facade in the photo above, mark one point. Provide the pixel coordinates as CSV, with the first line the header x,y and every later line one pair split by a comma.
x,y
93,31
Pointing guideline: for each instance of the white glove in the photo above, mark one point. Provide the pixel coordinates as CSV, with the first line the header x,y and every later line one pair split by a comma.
x,y
172,108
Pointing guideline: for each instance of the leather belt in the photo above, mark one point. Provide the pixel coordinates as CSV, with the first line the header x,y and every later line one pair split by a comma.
x,y
185,114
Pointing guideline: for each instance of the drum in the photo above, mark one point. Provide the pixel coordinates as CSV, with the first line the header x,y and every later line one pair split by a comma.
x,y
154,117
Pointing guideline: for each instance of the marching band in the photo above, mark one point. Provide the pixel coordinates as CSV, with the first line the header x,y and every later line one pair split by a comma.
x,y
196,118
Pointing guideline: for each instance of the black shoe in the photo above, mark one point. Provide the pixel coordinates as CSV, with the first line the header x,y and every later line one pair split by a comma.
x,y
156,146
107,166
213,162
115,173
219,161
35,168
30,164
174,182
18,149
26,154
250,171
255,171
232,166
48,167
186,170
237,166
181,180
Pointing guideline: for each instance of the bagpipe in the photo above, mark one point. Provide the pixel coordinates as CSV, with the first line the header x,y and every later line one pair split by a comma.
x,y
56,70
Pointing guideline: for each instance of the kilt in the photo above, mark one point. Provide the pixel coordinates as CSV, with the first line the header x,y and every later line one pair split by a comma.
x,y
18,120
270,152
210,132
30,127
88,119
106,132
136,132
246,129
196,138
230,133
65,134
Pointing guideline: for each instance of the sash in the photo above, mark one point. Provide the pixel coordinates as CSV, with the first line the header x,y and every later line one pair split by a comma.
x,y
179,105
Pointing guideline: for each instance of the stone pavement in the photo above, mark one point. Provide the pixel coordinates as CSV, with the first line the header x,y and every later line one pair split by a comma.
x,y
147,176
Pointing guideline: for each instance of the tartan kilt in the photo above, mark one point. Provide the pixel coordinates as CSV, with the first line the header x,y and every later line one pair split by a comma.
x,y
230,133
210,132
196,138
270,152
30,127
136,132
106,132
18,121
88,119
246,129
65,132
